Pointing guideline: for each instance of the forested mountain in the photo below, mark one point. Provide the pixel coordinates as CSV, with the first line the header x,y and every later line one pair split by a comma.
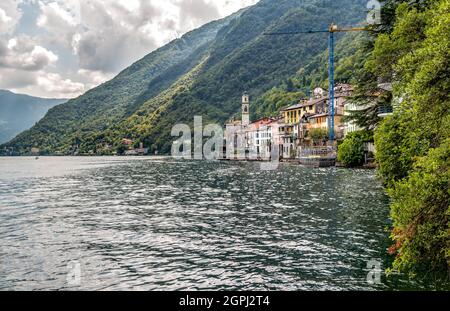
x,y
220,60
20,112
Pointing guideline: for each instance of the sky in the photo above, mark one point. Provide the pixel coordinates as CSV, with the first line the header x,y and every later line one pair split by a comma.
x,y
63,48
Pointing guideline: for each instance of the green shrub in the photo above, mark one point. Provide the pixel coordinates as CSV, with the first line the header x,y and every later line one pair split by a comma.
x,y
351,150
421,214
318,135
395,153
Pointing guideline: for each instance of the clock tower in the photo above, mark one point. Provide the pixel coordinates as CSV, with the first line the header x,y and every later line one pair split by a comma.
x,y
245,109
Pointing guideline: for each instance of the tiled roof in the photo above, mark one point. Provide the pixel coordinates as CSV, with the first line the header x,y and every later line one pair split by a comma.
x,y
323,115
310,102
314,101
261,122
234,123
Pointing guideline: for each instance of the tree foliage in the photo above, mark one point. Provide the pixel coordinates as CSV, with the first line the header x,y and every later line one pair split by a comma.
x,y
271,102
421,211
413,144
318,135
351,150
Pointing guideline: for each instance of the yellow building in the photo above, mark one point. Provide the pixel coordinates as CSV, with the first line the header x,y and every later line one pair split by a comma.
x,y
313,113
321,121
293,114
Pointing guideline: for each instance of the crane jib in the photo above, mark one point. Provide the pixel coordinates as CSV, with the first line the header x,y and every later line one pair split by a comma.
x,y
331,30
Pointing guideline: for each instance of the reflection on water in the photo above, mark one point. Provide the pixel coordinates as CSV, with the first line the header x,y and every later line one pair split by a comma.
x,y
163,224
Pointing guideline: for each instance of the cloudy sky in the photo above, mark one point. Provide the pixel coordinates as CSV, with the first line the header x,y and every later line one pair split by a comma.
x,y
62,48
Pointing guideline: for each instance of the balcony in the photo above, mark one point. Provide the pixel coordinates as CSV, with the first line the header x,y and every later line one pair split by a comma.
x,y
385,111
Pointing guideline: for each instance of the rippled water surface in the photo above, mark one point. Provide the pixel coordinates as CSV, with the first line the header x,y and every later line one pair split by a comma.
x,y
163,224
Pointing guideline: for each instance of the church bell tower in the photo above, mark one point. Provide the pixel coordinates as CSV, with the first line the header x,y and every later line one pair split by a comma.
x,y
245,109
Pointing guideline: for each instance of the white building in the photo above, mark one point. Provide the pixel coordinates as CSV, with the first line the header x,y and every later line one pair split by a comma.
x,y
259,136
351,126
319,92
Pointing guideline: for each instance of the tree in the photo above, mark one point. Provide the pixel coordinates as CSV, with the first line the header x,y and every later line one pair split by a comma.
x,y
290,86
351,150
389,42
413,145
421,213
318,135
270,103
394,155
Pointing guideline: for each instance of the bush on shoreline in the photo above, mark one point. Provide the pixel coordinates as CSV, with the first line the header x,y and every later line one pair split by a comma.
x,y
351,150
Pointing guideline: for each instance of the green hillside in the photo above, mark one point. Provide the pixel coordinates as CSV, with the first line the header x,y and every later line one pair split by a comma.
x,y
235,56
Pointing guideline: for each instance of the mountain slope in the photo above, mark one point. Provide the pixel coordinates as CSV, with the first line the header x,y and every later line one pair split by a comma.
x,y
239,58
118,98
350,55
20,112
256,66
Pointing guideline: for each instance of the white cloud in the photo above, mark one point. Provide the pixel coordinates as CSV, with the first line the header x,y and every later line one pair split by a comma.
x,y
53,83
75,45
93,78
40,83
54,12
16,79
3,17
112,34
21,53
9,15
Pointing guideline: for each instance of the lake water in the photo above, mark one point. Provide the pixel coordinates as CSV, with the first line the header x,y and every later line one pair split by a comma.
x,y
164,224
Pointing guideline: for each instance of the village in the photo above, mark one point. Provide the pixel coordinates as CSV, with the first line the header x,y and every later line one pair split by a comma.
x,y
299,133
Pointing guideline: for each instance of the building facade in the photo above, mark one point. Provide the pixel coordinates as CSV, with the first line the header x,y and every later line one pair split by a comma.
x,y
291,132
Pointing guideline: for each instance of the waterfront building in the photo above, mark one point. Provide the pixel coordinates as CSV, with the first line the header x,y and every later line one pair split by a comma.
x,y
259,137
294,113
35,151
286,139
127,142
351,126
137,151
320,119
245,109
311,114
290,132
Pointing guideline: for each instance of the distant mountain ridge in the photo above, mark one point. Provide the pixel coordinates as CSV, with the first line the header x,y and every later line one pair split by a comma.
x,y
220,60
20,112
